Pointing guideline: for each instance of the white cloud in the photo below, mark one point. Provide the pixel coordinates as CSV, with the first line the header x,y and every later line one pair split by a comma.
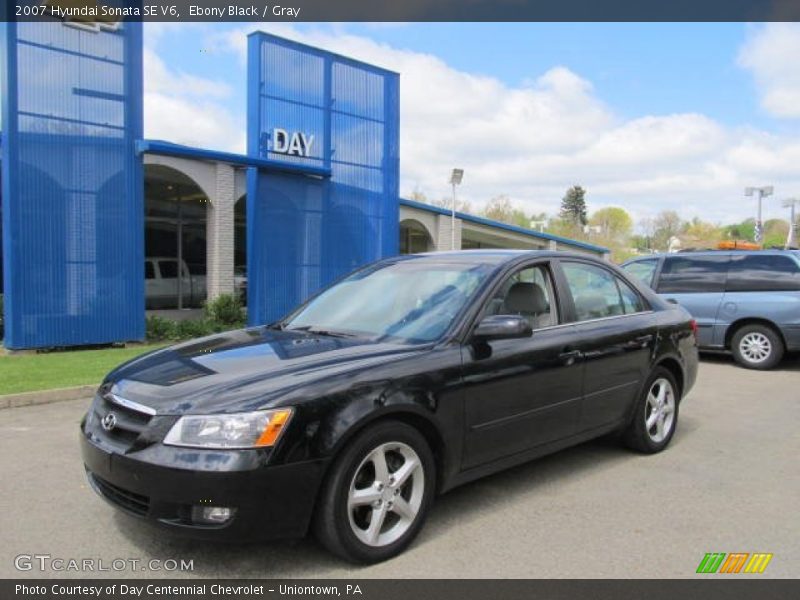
x,y
771,55
184,108
533,140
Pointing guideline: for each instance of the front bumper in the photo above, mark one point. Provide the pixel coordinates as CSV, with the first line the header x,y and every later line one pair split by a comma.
x,y
270,502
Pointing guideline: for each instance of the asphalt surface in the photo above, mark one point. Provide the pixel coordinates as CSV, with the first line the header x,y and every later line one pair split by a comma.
x,y
729,482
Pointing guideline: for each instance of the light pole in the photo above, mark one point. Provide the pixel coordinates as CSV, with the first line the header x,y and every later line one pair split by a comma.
x,y
761,192
455,179
791,239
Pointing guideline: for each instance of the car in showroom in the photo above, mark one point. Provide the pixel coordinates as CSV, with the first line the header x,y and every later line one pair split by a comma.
x,y
401,381
745,302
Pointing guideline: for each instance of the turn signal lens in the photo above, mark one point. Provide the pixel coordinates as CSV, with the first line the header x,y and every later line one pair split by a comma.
x,y
695,330
274,428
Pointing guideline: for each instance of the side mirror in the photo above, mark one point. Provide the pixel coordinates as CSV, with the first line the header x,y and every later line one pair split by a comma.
x,y
502,327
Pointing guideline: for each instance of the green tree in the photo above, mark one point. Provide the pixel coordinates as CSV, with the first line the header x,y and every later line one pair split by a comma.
x,y
775,232
615,223
666,225
701,234
573,205
501,208
741,231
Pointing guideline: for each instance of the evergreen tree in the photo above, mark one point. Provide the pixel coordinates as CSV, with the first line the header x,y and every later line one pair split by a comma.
x,y
573,206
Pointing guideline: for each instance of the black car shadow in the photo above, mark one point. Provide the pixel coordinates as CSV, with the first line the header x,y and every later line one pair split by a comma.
x,y
306,558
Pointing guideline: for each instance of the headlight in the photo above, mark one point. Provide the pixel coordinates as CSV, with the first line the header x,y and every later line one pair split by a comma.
x,y
258,429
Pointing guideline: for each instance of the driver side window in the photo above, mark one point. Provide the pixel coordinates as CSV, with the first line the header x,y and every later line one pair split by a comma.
x,y
527,293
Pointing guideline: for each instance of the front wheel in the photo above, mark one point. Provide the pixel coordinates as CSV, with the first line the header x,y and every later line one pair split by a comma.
x,y
377,494
757,347
656,415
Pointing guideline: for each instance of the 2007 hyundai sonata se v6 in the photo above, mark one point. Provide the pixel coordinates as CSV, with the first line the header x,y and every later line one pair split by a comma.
x,y
399,382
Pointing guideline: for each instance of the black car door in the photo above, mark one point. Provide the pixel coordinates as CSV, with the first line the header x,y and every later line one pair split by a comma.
x,y
617,335
521,393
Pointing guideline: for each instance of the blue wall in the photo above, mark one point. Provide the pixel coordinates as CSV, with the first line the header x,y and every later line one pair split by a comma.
x,y
72,184
305,231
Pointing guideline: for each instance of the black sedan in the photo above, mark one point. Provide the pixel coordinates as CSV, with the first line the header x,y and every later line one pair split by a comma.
x,y
407,378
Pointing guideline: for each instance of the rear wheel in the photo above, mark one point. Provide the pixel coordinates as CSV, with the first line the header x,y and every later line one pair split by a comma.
x,y
757,347
656,414
377,495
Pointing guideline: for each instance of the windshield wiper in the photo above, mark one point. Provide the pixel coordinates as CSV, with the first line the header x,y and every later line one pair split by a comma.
x,y
322,332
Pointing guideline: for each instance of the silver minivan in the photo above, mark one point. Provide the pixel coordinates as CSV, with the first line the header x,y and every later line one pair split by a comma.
x,y
747,302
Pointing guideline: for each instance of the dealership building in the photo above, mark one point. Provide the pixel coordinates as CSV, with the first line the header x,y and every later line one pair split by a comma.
x,y
94,216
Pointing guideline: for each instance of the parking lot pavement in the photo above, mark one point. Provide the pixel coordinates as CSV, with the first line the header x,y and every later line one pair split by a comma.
x,y
728,483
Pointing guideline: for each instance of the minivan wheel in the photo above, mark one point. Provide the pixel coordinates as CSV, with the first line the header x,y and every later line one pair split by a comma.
x,y
757,347
377,494
656,414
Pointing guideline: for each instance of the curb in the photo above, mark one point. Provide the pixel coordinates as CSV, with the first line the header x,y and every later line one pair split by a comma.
x,y
46,396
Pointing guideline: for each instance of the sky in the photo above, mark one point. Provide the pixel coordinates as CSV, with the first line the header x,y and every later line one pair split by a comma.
x,y
648,117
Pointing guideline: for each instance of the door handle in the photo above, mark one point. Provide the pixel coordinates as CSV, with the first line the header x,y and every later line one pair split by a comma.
x,y
643,340
570,355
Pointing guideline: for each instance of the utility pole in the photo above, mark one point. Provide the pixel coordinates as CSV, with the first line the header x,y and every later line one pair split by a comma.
x,y
791,238
761,192
455,179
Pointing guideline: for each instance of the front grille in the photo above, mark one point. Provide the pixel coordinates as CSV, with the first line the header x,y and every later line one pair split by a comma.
x,y
130,423
125,499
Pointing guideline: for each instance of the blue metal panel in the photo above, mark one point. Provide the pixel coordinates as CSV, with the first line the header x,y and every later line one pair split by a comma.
x,y
303,231
72,184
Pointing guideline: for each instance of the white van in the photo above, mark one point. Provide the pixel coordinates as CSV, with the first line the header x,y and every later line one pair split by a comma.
x,y
161,283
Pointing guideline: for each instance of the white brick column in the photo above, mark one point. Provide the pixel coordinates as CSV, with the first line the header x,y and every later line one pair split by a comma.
x,y
443,239
219,233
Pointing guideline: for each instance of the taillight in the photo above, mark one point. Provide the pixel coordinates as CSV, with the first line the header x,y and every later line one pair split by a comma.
x,y
695,330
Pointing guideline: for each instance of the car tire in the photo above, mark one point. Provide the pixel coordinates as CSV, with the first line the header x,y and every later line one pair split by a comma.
x,y
757,347
358,489
655,417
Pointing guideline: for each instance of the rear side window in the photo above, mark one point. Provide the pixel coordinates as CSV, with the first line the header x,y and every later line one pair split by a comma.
x,y
763,273
598,293
169,269
643,270
693,274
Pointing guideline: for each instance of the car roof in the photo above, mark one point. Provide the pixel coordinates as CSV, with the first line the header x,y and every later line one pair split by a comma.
x,y
492,256
770,251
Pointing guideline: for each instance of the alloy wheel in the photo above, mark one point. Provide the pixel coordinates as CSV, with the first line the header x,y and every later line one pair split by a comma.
x,y
755,347
386,494
659,413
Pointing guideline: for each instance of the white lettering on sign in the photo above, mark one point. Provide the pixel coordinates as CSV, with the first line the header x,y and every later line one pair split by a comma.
x,y
294,144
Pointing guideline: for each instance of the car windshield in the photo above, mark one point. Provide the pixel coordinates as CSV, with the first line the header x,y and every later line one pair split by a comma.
x,y
409,301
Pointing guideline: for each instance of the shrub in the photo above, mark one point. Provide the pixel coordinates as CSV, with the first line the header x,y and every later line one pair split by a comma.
x,y
226,310
159,329
192,329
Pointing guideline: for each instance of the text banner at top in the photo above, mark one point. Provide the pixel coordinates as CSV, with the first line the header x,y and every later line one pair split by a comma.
x,y
96,13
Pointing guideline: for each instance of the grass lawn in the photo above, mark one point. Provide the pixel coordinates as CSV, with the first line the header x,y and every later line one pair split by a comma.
x,y
30,372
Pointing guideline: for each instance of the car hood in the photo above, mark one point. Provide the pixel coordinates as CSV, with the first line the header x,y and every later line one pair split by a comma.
x,y
243,370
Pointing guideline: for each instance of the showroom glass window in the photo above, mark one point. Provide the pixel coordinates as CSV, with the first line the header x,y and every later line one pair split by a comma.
x,y
693,274
168,268
598,293
763,273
